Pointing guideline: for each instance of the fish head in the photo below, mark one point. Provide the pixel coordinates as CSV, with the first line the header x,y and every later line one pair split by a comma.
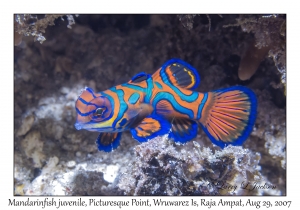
x,y
94,112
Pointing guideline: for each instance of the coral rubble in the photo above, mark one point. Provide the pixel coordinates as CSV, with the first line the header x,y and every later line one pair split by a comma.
x,y
159,169
31,25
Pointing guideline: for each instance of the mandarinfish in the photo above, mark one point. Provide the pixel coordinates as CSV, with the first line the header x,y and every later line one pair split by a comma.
x,y
166,103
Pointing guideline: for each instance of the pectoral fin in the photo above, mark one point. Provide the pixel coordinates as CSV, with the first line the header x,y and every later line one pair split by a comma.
x,y
135,116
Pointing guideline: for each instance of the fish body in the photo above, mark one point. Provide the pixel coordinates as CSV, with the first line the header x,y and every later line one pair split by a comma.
x,y
166,103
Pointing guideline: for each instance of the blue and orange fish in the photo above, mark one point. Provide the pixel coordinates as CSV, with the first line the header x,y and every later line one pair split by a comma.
x,y
165,103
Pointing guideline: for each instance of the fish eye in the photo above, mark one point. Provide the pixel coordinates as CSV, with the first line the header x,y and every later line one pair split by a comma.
x,y
99,112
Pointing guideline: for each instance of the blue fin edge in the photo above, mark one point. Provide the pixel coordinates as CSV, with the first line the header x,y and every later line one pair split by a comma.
x,y
110,147
184,139
140,74
165,125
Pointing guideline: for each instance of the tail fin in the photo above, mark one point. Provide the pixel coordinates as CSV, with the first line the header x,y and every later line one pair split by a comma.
x,y
228,115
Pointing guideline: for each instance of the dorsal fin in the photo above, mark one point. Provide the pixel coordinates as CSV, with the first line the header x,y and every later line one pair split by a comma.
x,y
178,73
139,77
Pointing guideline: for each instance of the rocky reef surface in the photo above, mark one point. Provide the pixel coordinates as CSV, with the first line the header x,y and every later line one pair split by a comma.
x,y
52,158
